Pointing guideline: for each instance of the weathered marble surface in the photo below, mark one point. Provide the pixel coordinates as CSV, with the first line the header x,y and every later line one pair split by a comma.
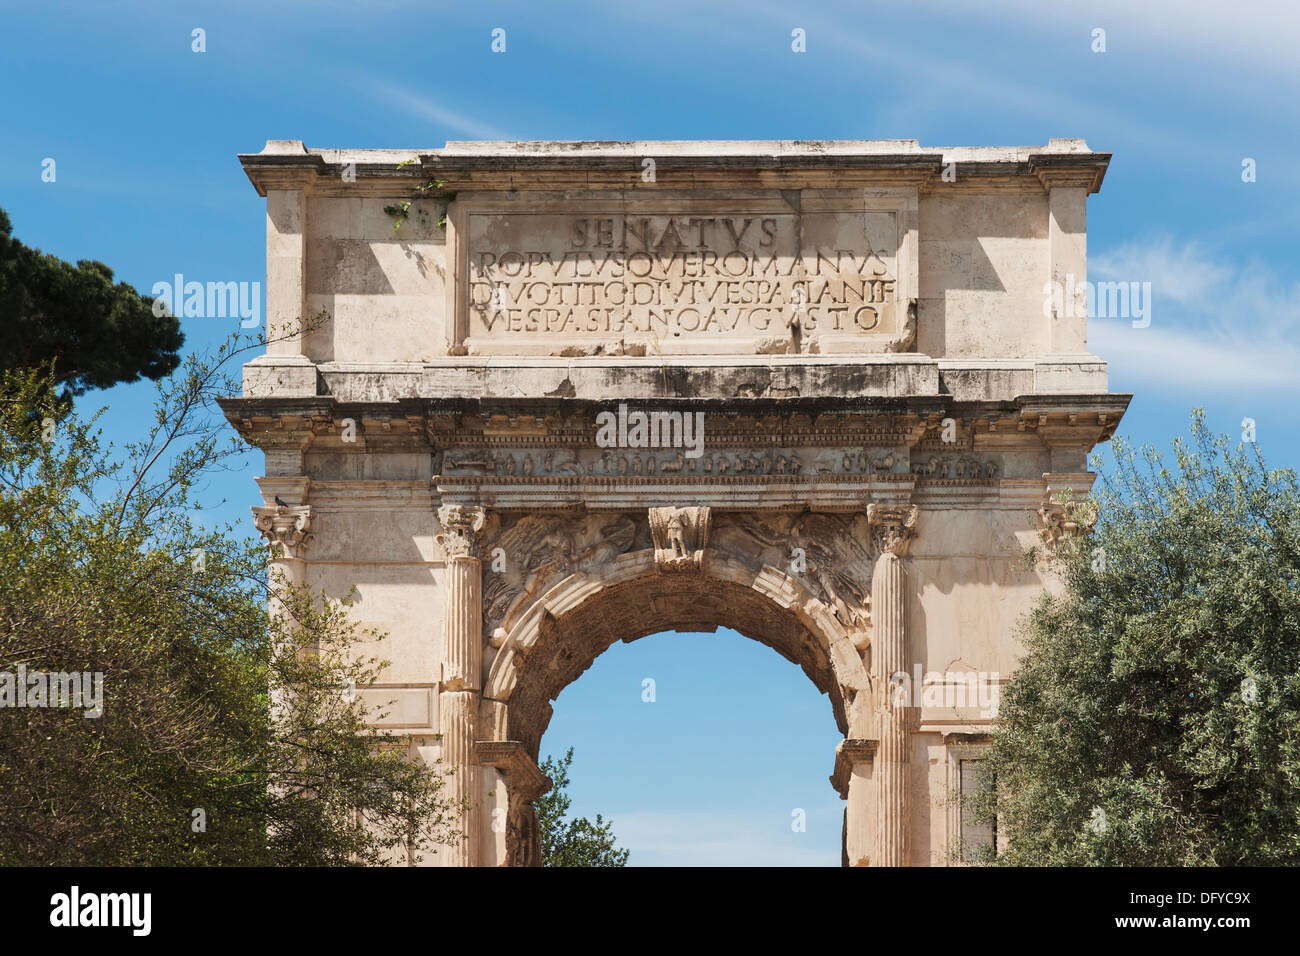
x,y
888,412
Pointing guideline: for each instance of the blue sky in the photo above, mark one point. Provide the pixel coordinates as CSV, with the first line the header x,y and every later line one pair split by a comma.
x,y
144,133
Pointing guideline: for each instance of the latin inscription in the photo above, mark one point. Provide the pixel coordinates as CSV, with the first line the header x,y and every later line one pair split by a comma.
x,y
666,276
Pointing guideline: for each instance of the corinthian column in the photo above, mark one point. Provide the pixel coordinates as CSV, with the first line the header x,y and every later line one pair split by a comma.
x,y
287,530
462,663
892,527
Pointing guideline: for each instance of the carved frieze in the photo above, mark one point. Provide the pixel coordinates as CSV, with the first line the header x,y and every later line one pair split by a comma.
x,y
534,552
967,467
722,462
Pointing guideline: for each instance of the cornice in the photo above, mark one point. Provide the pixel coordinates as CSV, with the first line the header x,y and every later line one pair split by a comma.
x,y
1070,169
471,167
450,422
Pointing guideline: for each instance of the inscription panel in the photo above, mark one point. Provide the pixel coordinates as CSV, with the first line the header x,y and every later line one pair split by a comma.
x,y
785,278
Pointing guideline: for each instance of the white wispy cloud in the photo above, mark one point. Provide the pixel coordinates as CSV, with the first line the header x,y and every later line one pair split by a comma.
x,y
933,78
1245,36
1156,356
1214,323
1183,273
428,107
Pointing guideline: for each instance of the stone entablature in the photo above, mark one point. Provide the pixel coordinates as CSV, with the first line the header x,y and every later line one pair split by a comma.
x,y
882,418
834,455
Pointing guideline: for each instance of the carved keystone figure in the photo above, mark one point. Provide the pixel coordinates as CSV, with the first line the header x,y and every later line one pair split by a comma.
x,y
680,536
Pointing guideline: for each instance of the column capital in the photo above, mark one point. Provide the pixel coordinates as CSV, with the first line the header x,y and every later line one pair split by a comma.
x,y
286,528
1059,521
892,527
1066,510
462,530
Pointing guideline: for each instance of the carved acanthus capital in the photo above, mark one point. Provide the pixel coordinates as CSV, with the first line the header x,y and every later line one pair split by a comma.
x,y
892,527
680,537
286,528
1063,519
462,530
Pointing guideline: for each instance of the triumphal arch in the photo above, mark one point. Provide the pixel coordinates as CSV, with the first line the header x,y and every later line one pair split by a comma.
x,y
557,395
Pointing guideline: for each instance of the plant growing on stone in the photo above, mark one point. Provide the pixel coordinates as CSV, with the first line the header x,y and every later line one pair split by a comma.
x,y
435,186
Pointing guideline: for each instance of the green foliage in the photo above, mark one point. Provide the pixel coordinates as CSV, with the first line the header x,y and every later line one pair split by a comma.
x,y
210,703
400,210
1155,718
96,333
579,842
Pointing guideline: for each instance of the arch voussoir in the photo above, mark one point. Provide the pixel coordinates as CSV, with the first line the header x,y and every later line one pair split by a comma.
x,y
630,597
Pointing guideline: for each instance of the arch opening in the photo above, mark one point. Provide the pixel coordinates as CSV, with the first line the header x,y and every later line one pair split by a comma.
x,y
570,626
702,749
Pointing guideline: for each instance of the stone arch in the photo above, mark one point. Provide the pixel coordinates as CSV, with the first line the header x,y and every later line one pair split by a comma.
x,y
810,448
560,636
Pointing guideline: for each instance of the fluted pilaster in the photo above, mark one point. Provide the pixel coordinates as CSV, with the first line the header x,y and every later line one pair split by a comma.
x,y
458,719
462,664
889,647
462,667
892,528
287,532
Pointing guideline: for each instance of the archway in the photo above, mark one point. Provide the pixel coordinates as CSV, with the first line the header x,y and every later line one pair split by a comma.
x,y
701,749
730,396
576,621
550,642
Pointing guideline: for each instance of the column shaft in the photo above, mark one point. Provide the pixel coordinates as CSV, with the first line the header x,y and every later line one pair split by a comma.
x,y
461,669
889,653
458,717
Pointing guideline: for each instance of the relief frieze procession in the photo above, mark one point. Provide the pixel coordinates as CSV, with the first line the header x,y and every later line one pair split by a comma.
x,y
530,462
